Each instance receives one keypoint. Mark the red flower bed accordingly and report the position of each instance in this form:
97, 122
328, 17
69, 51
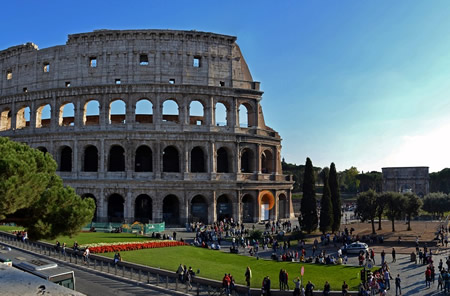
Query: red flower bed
136, 246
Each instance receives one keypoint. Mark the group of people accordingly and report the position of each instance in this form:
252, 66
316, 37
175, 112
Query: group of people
185, 275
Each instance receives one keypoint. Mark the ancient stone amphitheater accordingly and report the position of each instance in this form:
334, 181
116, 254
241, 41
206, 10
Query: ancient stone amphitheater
154, 125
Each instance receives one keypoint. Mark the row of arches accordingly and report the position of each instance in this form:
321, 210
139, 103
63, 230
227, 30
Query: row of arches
198, 208
171, 159
144, 111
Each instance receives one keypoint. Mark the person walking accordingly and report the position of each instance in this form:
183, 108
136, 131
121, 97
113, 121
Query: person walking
344, 289
309, 289
248, 278
398, 288
393, 255
387, 279
267, 286
428, 277
297, 287
326, 289
383, 254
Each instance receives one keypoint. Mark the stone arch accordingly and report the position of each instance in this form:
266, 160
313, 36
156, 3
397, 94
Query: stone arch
91, 113
248, 208
198, 160
170, 111
171, 160
246, 115
43, 116
23, 117
65, 159
5, 119
143, 208
267, 205
67, 114
90, 159
283, 206
199, 209
143, 160
247, 161
116, 160
221, 114
171, 210
223, 160
267, 162
224, 207
196, 113
42, 149
117, 111
144, 111
116, 206
89, 195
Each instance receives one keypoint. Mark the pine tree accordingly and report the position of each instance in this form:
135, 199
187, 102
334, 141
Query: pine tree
309, 219
326, 207
335, 198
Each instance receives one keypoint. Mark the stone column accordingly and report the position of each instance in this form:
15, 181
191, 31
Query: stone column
76, 166
127, 211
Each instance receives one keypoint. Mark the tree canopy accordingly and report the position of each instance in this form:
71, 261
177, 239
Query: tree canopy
366, 207
309, 218
32, 194
335, 197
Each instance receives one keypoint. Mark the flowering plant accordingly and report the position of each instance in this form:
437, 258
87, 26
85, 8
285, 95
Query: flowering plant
131, 246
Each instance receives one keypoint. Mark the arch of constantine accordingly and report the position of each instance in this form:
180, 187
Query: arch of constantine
154, 125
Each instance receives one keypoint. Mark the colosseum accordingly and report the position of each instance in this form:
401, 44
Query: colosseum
154, 125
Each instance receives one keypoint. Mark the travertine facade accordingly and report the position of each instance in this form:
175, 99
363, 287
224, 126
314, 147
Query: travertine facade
148, 165
406, 179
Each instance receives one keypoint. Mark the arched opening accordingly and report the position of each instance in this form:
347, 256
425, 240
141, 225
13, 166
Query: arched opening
222, 161
171, 160
117, 112
282, 207
143, 159
143, 209
246, 115
5, 120
23, 117
90, 163
197, 160
144, 111
267, 162
267, 202
65, 164
247, 163
248, 208
43, 116
42, 149
406, 188
91, 113
199, 209
88, 195
67, 114
196, 113
171, 210
170, 111
221, 115
116, 208
116, 161
224, 208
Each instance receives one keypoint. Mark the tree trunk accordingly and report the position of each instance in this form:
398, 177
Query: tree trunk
393, 227
379, 222
409, 222
373, 226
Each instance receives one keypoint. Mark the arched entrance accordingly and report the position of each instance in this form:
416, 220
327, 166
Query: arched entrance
267, 202
247, 161
115, 208
266, 162
143, 159
282, 207
171, 210
171, 160
224, 208
116, 159
222, 161
143, 208
90, 163
248, 206
89, 195
66, 159
197, 160
199, 209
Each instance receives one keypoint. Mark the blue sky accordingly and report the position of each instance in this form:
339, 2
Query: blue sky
359, 83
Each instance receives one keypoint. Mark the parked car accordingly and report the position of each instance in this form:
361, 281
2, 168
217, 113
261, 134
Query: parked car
355, 248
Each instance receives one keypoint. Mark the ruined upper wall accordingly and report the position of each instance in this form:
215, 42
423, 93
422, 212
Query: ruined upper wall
127, 57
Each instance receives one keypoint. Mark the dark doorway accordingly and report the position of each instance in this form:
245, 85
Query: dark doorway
199, 209
143, 209
171, 160
282, 211
197, 160
66, 159
115, 208
222, 161
246, 161
143, 159
116, 159
171, 210
247, 208
224, 209
90, 159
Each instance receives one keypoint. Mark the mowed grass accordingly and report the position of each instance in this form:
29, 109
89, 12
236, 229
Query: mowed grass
8, 228
84, 238
214, 264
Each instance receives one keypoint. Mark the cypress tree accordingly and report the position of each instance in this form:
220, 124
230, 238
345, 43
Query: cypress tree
335, 198
309, 219
326, 207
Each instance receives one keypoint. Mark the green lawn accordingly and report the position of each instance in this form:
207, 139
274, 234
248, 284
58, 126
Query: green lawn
100, 237
10, 228
213, 264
